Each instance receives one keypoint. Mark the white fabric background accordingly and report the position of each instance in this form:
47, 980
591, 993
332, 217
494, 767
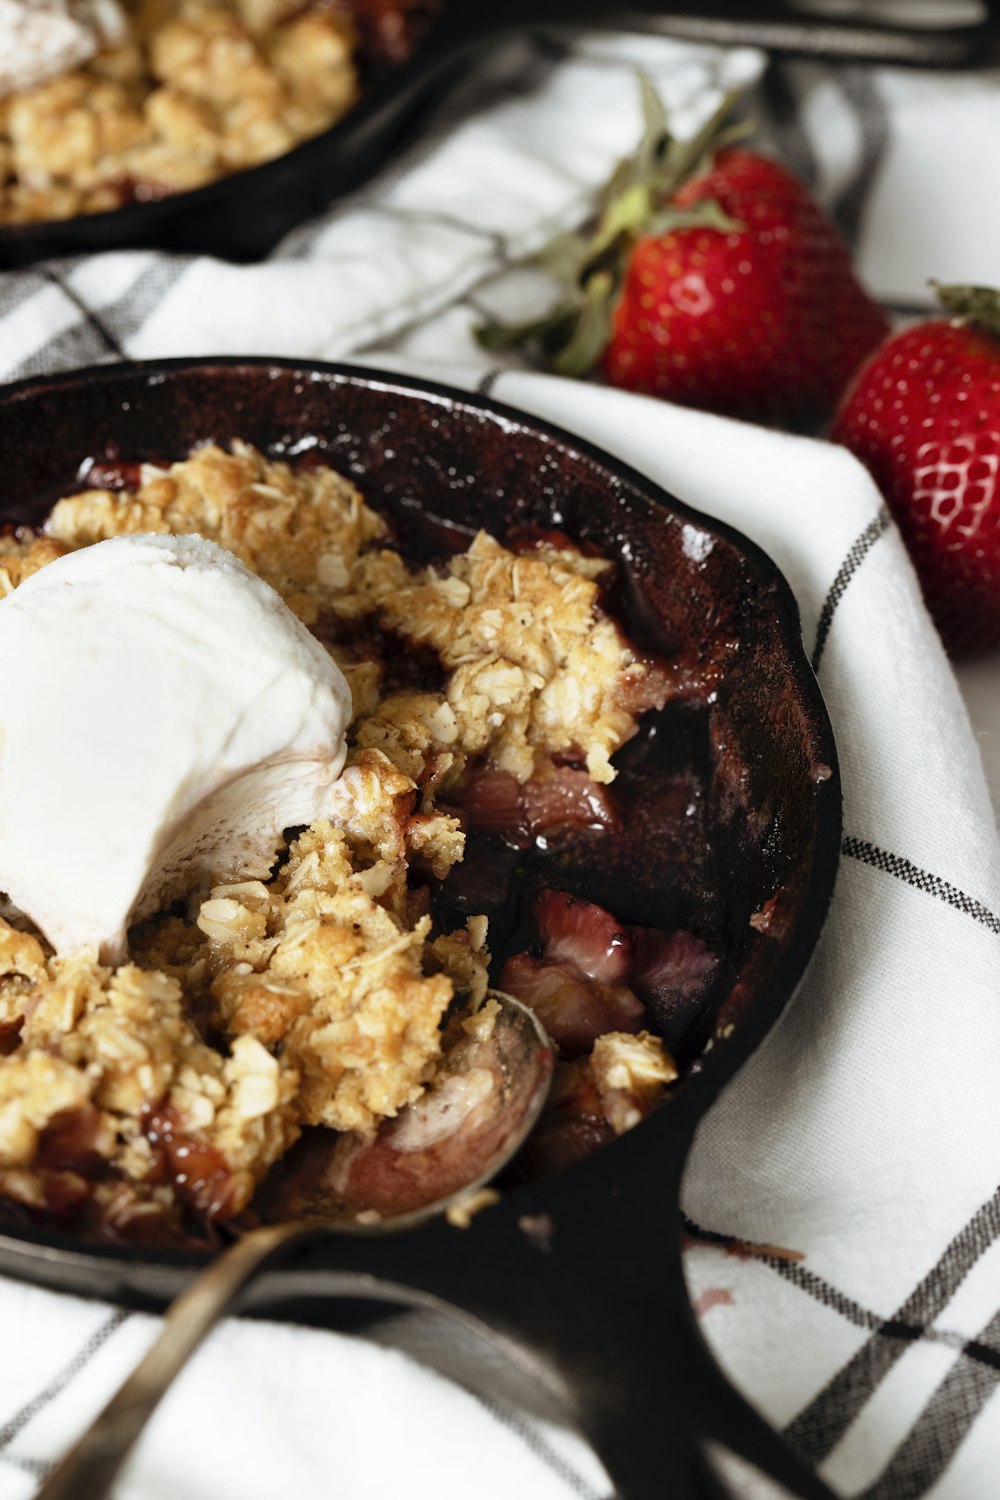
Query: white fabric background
864, 1134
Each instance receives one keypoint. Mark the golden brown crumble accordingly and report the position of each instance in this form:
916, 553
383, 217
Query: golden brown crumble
630, 1073
108, 1047
535, 668
18, 560
322, 965
315, 998
200, 88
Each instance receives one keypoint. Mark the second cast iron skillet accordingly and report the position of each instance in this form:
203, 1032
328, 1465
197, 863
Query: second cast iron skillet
242, 216
578, 1275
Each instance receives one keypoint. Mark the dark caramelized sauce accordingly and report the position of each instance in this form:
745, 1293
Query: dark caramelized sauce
390, 30
408, 665
654, 868
71, 1142
10, 1036
424, 537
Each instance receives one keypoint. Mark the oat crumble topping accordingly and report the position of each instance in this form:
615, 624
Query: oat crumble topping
316, 997
198, 89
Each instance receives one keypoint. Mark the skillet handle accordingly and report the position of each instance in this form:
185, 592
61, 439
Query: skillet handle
768, 24
584, 1271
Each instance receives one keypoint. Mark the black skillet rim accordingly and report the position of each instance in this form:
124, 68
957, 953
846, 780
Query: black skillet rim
699, 1090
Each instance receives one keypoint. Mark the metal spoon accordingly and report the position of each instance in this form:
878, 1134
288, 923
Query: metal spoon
454, 1140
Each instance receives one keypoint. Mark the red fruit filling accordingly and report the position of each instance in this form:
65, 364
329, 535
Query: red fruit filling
76, 1141
519, 813
595, 975
673, 973
110, 474
198, 1173
584, 936
573, 1126
574, 1010
10, 1036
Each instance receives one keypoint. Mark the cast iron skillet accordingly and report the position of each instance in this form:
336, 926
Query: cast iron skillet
580, 1274
242, 216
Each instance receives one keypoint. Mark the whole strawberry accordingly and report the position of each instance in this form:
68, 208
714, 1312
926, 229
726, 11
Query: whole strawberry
767, 321
715, 281
924, 415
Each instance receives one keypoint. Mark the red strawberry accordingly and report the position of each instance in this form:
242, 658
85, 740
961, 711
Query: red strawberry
924, 415
595, 975
767, 321
722, 286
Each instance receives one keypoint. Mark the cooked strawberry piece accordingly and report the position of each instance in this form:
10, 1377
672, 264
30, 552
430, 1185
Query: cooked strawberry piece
496, 802
673, 973
77, 1140
574, 1010
596, 975
584, 936
391, 29
110, 474
652, 688
55, 1197
66, 1195
573, 1125
197, 1171
568, 798
777, 915
659, 681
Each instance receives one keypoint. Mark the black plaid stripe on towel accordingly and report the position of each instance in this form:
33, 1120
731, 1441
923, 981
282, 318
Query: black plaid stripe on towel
842, 1207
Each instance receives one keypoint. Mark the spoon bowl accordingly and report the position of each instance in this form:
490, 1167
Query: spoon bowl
453, 1141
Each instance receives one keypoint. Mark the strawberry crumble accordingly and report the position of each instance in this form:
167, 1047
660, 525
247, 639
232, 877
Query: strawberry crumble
185, 94
492, 690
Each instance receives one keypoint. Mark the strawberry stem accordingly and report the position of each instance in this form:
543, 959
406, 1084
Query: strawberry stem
979, 305
681, 159
635, 202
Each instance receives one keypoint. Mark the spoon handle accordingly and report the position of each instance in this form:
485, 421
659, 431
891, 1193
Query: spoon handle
89, 1469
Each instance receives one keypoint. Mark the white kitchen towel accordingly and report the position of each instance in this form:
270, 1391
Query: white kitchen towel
864, 1319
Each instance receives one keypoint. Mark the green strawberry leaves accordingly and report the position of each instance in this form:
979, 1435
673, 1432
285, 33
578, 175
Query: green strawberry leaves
635, 202
971, 304
570, 339
591, 329
499, 338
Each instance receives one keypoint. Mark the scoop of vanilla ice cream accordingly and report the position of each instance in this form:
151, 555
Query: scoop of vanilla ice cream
163, 718
39, 39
